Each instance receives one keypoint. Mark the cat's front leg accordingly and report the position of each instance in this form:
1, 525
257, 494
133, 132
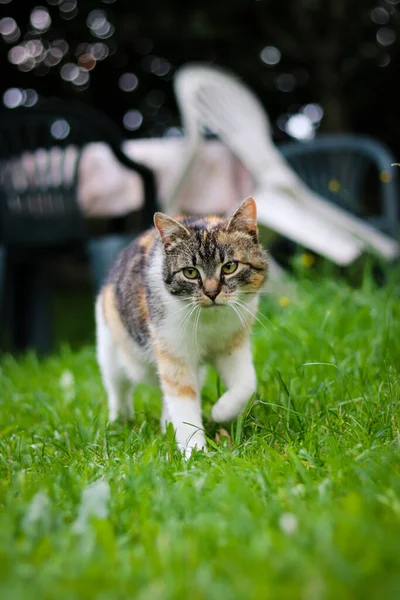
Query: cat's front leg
238, 373
182, 401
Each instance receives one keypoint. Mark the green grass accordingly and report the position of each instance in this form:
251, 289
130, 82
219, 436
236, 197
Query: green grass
301, 501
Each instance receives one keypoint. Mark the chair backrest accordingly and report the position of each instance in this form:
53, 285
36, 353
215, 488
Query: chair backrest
39, 157
216, 99
344, 169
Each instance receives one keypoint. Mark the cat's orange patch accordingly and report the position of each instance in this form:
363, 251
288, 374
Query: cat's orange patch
174, 375
238, 339
112, 318
213, 220
143, 306
164, 355
177, 389
256, 281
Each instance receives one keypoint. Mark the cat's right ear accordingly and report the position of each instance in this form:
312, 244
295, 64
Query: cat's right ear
170, 230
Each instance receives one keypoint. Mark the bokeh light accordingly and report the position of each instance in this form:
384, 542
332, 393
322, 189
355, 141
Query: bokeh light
8, 26
386, 36
132, 120
314, 112
270, 55
61, 44
68, 9
31, 98
300, 127
53, 56
161, 67
40, 18
69, 72
34, 48
286, 82
82, 78
384, 60
156, 65
9, 30
99, 25
17, 55
128, 82
86, 61
99, 51
13, 97
380, 15
60, 129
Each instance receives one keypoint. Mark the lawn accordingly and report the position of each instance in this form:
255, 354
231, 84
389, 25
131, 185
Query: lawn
298, 499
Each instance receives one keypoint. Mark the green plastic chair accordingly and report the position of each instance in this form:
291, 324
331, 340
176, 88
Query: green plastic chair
342, 167
39, 212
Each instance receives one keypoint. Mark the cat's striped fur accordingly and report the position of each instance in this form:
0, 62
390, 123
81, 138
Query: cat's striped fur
185, 292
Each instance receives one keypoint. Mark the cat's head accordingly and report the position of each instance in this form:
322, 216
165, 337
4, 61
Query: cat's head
211, 260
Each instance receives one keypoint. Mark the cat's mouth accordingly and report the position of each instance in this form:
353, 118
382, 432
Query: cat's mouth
207, 303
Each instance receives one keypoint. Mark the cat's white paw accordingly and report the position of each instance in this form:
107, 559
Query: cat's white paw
196, 442
230, 405
189, 450
113, 415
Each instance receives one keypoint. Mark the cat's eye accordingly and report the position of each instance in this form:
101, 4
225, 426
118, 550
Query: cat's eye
229, 267
190, 273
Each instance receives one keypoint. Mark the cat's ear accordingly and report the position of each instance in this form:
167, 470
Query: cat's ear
245, 218
169, 229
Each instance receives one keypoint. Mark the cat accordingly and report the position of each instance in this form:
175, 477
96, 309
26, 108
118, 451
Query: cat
183, 293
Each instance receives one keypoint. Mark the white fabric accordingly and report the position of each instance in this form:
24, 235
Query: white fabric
217, 181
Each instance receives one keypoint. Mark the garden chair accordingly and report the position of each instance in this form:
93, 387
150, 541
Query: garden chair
209, 97
337, 167
40, 151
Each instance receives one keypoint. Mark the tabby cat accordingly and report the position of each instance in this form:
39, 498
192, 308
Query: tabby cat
182, 294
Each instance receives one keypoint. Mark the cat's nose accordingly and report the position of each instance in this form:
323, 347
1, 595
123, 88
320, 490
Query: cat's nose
212, 294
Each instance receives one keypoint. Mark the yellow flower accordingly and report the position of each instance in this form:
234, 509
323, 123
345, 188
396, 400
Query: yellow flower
307, 259
385, 176
334, 185
284, 301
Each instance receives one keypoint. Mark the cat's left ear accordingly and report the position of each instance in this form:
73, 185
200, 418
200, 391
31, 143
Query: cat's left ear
169, 229
245, 218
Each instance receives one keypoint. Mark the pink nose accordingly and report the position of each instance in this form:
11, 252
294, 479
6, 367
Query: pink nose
212, 294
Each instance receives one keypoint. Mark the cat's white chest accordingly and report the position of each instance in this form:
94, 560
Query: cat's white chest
216, 328
206, 333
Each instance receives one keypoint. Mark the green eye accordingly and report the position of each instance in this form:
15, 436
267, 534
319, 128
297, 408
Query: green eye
229, 267
190, 273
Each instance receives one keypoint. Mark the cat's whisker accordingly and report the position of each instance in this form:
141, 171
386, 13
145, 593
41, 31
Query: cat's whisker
186, 307
240, 317
257, 311
247, 325
196, 327
186, 321
247, 309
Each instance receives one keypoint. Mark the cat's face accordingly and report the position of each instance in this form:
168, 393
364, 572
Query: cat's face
213, 261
